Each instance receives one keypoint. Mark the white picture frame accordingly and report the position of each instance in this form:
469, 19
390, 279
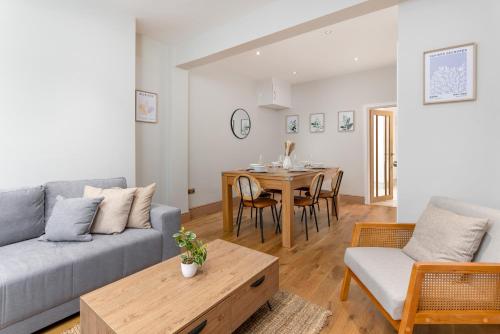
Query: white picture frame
292, 124
346, 121
317, 123
450, 74
146, 107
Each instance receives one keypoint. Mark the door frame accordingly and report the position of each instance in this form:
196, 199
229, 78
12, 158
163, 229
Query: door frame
366, 139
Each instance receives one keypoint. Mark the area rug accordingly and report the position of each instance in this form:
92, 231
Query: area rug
290, 314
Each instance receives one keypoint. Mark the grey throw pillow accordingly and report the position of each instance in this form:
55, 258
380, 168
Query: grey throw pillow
21, 214
443, 236
71, 219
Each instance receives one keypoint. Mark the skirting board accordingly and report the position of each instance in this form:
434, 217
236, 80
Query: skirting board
215, 207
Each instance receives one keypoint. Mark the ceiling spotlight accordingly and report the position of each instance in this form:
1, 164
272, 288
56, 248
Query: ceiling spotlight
257, 53
356, 58
294, 72
328, 32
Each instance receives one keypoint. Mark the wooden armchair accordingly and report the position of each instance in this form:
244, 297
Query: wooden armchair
438, 293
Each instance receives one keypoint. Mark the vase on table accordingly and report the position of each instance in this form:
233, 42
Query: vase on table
287, 162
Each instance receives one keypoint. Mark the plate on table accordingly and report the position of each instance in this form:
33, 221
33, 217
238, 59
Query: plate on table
297, 169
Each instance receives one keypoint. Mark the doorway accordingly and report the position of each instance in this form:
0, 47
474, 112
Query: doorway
383, 162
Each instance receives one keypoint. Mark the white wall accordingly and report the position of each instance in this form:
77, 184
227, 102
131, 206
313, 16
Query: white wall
448, 149
66, 92
212, 147
161, 148
328, 96
153, 75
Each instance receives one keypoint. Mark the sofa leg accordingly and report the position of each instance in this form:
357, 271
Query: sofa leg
344, 290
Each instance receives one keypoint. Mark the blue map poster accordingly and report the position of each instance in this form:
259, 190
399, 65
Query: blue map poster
450, 74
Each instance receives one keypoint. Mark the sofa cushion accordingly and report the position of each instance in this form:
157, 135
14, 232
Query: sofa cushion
71, 189
36, 276
489, 250
21, 214
114, 210
139, 213
71, 219
385, 272
443, 236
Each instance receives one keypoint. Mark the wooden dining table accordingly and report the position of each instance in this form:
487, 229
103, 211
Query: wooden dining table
275, 178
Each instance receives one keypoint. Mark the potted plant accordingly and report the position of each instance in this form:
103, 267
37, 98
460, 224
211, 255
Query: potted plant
195, 255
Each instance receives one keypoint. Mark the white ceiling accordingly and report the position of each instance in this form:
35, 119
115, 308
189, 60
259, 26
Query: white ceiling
173, 21
372, 39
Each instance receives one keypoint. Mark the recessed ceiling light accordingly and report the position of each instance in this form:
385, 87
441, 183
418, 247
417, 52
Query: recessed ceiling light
328, 32
294, 72
257, 53
356, 58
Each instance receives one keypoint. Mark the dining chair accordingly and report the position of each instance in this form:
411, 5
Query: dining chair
310, 201
249, 190
333, 194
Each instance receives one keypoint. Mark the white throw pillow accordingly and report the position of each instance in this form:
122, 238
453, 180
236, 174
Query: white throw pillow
139, 214
443, 236
114, 210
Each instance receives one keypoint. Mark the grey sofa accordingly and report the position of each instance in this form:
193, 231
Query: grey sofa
41, 282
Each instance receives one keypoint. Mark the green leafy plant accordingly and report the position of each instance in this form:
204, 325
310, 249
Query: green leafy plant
196, 251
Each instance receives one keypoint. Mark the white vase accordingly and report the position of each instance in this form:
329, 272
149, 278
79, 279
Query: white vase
189, 270
287, 162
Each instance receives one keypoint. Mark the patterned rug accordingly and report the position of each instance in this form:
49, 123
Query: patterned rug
291, 314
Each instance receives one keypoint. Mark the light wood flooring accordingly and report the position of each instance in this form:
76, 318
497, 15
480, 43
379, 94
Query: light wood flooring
313, 269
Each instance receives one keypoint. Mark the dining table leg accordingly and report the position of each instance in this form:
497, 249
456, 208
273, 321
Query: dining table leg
227, 205
287, 215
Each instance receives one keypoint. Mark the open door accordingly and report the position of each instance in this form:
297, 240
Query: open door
381, 155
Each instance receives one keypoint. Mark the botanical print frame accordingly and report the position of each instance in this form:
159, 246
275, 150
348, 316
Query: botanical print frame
346, 121
450, 74
292, 124
317, 123
146, 106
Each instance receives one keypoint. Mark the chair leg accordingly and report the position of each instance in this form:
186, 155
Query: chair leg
256, 216
315, 218
239, 219
334, 202
302, 218
344, 290
327, 211
261, 227
272, 213
278, 227
305, 216
239, 211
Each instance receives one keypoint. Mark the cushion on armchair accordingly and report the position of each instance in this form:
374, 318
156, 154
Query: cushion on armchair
444, 236
385, 272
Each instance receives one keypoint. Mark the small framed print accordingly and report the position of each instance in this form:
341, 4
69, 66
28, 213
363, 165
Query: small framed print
292, 124
317, 123
450, 74
346, 121
146, 105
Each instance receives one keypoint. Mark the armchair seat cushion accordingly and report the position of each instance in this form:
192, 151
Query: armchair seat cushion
385, 272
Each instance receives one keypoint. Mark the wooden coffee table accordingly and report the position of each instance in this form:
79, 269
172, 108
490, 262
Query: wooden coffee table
233, 283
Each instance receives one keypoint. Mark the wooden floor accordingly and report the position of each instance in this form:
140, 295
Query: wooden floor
314, 269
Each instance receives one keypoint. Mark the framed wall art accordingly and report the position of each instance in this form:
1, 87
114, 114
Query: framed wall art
292, 124
450, 74
346, 121
317, 123
146, 107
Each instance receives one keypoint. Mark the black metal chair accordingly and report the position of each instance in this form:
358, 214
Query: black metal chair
249, 190
333, 194
311, 200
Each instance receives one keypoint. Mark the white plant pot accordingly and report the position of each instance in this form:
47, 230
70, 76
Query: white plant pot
189, 270
287, 162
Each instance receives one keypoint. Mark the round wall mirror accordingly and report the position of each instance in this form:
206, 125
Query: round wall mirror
240, 123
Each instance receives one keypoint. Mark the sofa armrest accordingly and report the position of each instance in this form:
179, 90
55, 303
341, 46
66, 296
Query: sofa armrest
392, 235
167, 220
438, 291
